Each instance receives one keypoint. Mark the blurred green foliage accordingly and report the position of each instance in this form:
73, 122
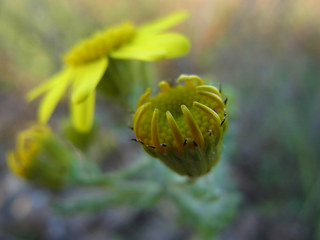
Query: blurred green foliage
271, 67
265, 53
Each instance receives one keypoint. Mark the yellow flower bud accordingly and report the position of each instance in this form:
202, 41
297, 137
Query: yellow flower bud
40, 157
183, 126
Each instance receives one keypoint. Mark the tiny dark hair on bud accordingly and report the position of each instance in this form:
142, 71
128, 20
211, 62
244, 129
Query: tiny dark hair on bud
185, 142
222, 122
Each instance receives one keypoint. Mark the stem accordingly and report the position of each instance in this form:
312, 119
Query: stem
141, 194
81, 177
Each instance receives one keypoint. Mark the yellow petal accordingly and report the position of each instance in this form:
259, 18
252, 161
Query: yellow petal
174, 44
13, 164
87, 77
61, 76
51, 99
151, 48
83, 113
163, 23
139, 53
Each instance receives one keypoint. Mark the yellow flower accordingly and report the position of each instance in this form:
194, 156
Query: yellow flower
87, 62
182, 126
40, 157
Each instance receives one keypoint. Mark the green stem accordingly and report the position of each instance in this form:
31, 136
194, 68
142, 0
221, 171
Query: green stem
141, 194
312, 202
81, 176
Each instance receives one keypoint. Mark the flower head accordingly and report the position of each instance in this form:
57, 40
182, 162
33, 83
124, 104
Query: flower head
183, 126
100, 44
40, 157
87, 62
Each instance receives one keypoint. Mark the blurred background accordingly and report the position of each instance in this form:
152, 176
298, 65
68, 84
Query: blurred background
266, 55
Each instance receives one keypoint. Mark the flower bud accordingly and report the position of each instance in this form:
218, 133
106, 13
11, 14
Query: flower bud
40, 157
183, 126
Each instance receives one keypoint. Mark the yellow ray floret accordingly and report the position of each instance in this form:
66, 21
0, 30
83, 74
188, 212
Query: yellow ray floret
213, 96
209, 88
194, 128
175, 131
164, 86
138, 116
211, 113
154, 129
190, 79
144, 97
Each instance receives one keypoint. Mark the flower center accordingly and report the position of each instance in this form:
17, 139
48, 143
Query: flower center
184, 116
100, 44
